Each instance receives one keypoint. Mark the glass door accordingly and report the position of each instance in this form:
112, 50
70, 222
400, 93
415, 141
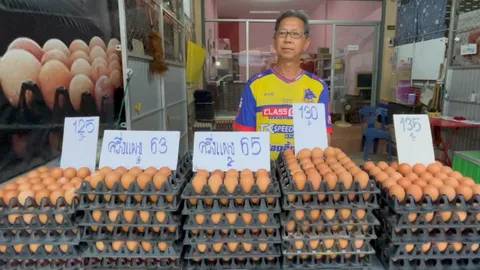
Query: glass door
354, 68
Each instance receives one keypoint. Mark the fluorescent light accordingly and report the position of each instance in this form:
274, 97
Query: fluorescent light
264, 12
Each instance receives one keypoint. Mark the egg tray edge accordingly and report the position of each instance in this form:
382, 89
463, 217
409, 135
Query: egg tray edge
343, 202
133, 234
73, 252
261, 237
288, 248
47, 239
120, 263
130, 203
22, 264
336, 220
272, 250
205, 264
341, 262
120, 221
343, 234
173, 251
36, 224
248, 207
31, 207
271, 222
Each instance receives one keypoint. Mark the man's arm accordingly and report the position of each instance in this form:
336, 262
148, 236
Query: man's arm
325, 99
245, 119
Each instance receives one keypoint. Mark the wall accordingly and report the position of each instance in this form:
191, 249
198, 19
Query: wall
386, 75
211, 34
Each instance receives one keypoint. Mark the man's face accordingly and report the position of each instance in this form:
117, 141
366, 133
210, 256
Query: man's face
290, 40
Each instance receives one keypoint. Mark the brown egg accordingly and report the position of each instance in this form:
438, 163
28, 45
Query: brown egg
362, 178
56, 172
232, 182
131, 245
52, 75
452, 182
127, 179
431, 191
447, 191
317, 152
420, 182
380, 177
150, 170
456, 175
404, 182
398, 192
55, 195
404, 169
389, 171
96, 177
331, 179
231, 217
63, 180
415, 191
355, 170
39, 195
436, 182
287, 152
466, 181
215, 181
263, 181
70, 195
198, 182
382, 165
28, 218
300, 179
346, 179
143, 179
434, 168
330, 152
49, 180
476, 189
23, 195
368, 166
389, 183
111, 178
24, 187
304, 153
247, 217
375, 171
465, 191
419, 168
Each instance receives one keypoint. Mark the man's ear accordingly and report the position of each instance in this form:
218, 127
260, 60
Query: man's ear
307, 44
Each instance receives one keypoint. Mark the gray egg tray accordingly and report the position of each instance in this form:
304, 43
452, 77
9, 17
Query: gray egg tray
328, 233
128, 263
73, 252
202, 208
174, 250
31, 207
133, 234
40, 237
272, 222
336, 220
35, 224
272, 250
27, 264
290, 249
354, 262
329, 202
217, 235
104, 221
234, 264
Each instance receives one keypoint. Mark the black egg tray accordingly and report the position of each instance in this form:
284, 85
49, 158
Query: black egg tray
248, 207
31, 207
425, 204
354, 262
383, 245
128, 263
273, 190
342, 202
272, 250
234, 264
27, 264
130, 203
230, 235
25, 253
369, 218
329, 233
401, 230
174, 250
36, 224
133, 234
272, 222
289, 248
429, 264
39, 237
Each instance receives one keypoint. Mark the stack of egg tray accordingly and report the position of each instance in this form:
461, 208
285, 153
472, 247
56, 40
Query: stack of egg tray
39, 236
327, 228
232, 230
143, 234
428, 234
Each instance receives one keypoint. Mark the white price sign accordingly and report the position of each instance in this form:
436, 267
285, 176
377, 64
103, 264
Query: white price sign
131, 148
80, 140
309, 125
231, 150
414, 139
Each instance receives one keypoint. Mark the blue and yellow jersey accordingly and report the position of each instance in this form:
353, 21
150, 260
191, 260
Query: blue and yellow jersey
266, 105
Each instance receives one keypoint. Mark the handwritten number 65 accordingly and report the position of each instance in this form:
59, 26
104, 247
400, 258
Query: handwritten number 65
254, 146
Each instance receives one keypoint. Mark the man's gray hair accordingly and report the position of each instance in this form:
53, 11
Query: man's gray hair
299, 14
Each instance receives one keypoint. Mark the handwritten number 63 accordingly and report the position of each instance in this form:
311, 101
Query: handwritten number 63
158, 145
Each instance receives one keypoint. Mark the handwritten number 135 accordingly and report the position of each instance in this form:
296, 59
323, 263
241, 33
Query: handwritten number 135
410, 124
158, 145
309, 112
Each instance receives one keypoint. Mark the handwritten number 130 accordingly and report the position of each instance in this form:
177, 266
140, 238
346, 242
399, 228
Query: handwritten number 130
309, 113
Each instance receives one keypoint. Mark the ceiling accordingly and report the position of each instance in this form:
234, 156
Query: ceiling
240, 8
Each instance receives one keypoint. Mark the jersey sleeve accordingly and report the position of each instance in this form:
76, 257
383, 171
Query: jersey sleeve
325, 99
245, 119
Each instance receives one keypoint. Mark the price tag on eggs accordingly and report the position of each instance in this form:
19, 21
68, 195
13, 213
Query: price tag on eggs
231, 150
309, 125
131, 148
414, 139
80, 140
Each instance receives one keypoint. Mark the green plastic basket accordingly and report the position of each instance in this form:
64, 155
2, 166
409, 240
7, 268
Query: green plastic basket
468, 163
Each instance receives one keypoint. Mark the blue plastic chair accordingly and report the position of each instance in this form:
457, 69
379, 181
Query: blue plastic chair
371, 133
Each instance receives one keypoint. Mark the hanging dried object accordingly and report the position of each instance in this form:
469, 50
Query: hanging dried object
155, 49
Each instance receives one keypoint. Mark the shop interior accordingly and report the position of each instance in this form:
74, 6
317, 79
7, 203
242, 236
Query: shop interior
118, 147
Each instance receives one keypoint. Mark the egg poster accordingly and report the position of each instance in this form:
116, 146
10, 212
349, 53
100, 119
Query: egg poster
59, 58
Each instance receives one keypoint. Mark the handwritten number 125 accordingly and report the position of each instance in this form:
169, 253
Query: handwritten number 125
81, 124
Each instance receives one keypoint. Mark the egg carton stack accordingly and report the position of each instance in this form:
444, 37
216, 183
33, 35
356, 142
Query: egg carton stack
37, 229
132, 219
232, 220
328, 205
430, 217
